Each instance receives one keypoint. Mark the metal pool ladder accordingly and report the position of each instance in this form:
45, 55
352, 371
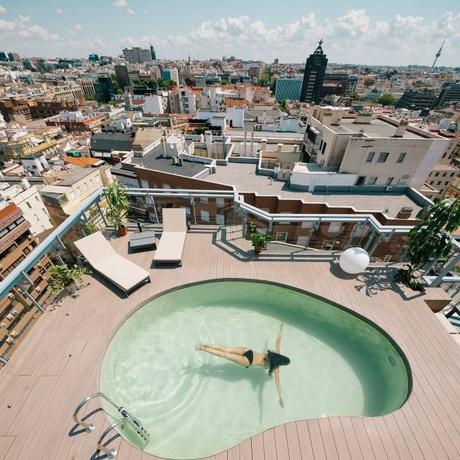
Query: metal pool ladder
125, 419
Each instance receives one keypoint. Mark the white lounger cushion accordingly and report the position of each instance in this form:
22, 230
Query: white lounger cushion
170, 248
172, 239
104, 259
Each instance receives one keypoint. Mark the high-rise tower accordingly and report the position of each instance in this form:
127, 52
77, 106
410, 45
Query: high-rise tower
153, 54
313, 76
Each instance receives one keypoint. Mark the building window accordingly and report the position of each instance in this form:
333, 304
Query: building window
401, 157
281, 236
204, 216
371, 180
323, 148
220, 219
335, 228
370, 157
389, 181
29, 205
383, 157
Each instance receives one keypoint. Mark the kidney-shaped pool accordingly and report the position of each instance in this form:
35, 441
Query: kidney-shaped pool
195, 405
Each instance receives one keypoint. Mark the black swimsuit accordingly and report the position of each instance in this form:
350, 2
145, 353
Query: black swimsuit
249, 355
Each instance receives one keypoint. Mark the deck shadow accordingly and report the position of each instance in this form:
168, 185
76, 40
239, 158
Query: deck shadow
98, 455
75, 430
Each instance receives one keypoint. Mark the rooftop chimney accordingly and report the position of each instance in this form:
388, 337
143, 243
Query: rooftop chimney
401, 129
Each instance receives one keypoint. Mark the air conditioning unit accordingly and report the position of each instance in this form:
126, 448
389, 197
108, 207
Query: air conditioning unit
14, 313
389, 188
10, 295
4, 325
9, 317
9, 340
14, 334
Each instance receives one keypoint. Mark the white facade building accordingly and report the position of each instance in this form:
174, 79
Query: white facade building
380, 151
28, 199
154, 104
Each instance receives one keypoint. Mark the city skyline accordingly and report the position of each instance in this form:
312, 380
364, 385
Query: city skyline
371, 35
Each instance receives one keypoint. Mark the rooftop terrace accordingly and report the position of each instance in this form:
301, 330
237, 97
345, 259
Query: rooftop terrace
376, 128
58, 365
58, 362
244, 178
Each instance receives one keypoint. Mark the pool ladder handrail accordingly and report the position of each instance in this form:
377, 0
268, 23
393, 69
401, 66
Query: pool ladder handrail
126, 417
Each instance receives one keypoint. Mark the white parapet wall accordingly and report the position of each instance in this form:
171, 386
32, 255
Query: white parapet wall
308, 176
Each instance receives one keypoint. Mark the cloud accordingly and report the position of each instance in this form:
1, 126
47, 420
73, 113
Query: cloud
353, 37
59, 11
2, 9
78, 27
130, 11
120, 3
23, 28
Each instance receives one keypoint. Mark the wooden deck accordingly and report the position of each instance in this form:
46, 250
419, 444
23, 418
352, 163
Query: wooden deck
58, 363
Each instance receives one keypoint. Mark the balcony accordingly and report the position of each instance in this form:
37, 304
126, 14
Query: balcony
57, 364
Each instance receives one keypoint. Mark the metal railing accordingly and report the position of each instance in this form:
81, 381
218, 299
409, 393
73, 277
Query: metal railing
222, 208
125, 419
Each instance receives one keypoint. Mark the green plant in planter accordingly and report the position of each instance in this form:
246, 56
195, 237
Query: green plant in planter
62, 276
409, 276
251, 228
430, 239
117, 204
259, 241
90, 228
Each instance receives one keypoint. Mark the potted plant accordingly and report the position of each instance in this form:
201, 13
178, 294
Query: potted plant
65, 277
251, 228
117, 206
89, 228
430, 240
259, 241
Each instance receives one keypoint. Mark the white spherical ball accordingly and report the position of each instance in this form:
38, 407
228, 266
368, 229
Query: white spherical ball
354, 260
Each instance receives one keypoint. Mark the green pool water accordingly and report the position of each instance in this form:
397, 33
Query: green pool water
195, 405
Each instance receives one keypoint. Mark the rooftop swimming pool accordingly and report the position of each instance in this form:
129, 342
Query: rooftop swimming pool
195, 405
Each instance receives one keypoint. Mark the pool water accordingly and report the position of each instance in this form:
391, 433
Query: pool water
195, 405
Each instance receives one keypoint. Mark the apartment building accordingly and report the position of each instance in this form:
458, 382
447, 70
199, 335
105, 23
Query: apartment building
70, 186
183, 100
27, 197
378, 150
20, 308
444, 174
19, 146
137, 55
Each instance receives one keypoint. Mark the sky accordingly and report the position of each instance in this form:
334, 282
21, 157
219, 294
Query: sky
388, 32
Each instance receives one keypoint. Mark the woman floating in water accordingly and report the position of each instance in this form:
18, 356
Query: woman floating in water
246, 357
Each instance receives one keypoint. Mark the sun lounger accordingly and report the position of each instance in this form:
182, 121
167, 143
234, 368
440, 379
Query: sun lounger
104, 259
172, 239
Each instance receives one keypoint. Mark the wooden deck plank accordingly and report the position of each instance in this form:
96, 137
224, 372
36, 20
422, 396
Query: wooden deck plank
257, 446
5, 444
269, 444
292, 437
319, 451
13, 399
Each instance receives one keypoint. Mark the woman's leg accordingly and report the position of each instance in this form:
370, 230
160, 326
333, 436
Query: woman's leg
238, 359
234, 350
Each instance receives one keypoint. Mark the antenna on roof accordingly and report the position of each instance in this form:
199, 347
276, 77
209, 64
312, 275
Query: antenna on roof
438, 54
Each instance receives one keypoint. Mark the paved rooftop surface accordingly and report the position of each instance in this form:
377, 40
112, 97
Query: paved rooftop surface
377, 128
154, 160
58, 365
244, 178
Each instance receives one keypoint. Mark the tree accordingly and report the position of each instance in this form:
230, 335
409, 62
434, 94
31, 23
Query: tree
431, 239
283, 105
386, 99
